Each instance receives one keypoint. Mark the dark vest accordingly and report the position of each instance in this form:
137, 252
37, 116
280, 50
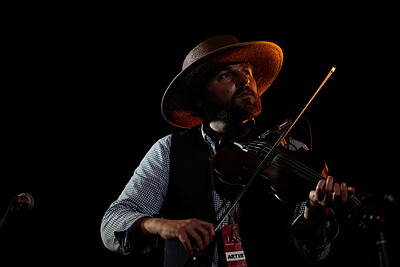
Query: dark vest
189, 192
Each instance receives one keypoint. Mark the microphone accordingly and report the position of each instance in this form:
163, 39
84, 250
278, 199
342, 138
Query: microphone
23, 201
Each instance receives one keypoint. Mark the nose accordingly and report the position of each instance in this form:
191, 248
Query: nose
242, 79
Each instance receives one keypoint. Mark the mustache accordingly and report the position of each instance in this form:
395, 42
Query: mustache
242, 90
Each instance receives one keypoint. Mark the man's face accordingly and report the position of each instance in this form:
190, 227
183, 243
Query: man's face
231, 94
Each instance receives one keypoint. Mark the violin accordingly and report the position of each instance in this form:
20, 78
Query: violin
291, 174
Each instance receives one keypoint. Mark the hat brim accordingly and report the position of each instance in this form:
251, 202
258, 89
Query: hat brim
265, 57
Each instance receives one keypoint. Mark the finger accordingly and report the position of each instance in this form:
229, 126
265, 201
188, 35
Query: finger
344, 191
209, 232
329, 186
203, 236
351, 190
320, 190
197, 241
337, 193
198, 235
186, 243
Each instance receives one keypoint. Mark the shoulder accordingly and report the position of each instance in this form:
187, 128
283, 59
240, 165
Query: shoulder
164, 141
160, 147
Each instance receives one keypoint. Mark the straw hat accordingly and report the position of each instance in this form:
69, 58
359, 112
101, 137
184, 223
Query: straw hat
178, 100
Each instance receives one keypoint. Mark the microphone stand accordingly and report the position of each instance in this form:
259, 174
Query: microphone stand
383, 256
10, 211
373, 216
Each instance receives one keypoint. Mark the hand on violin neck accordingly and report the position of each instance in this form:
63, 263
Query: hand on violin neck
329, 195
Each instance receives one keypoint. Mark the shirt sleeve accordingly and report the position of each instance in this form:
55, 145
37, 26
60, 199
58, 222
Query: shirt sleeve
318, 250
142, 196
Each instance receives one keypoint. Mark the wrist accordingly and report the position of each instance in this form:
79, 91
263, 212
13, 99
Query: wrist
315, 212
144, 225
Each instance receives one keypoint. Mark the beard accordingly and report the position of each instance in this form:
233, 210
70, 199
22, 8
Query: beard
240, 109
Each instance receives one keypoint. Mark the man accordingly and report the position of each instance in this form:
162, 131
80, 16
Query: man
175, 199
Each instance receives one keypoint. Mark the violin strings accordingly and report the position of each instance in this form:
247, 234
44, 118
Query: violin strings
292, 162
311, 174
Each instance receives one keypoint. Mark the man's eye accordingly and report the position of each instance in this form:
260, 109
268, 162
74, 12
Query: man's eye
247, 71
226, 75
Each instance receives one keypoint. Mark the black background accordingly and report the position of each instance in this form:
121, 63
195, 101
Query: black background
80, 106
